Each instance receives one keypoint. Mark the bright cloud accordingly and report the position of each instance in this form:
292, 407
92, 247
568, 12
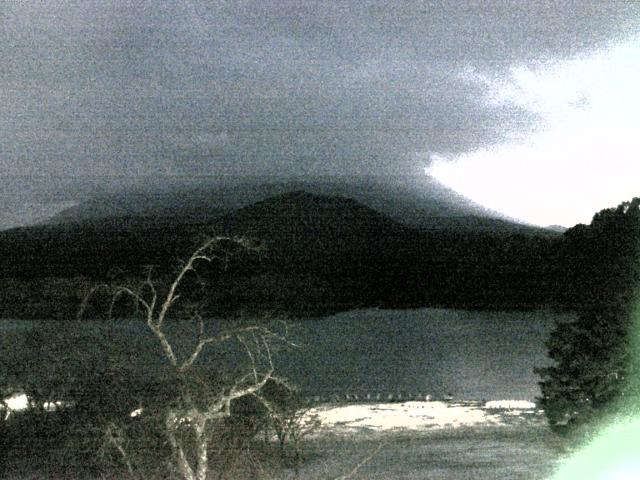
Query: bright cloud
584, 154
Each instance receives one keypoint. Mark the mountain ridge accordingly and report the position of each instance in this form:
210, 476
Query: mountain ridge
321, 253
422, 203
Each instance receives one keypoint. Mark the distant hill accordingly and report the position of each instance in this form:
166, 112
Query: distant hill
419, 202
300, 217
296, 227
556, 228
322, 252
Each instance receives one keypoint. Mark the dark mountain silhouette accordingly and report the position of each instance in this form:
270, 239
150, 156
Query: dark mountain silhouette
302, 219
321, 253
420, 202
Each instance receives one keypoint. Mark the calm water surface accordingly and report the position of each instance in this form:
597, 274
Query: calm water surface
466, 355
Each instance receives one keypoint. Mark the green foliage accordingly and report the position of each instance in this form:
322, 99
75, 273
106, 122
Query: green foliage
589, 371
592, 367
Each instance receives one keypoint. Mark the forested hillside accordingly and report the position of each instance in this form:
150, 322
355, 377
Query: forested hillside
317, 254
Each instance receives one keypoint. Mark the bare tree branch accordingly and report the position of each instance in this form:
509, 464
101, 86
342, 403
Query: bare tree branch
188, 412
171, 424
361, 464
250, 355
85, 301
164, 343
199, 254
225, 337
114, 437
237, 392
119, 291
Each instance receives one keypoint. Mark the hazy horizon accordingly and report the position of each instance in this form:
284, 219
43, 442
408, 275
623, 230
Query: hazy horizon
500, 101
30, 200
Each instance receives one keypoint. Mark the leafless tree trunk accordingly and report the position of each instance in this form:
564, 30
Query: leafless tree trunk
199, 420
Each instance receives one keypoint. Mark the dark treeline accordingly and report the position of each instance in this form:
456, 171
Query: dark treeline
317, 254
596, 356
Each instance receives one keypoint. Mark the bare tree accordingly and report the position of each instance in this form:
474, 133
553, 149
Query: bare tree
290, 418
188, 420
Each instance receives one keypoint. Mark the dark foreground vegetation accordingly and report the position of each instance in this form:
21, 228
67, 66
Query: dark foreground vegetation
474, 453
201, 413
152, 402
596, 375
481, 453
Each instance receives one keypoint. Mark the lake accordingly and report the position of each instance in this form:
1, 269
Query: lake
463, 354
439, 352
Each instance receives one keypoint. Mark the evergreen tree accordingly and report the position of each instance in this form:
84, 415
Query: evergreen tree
593, 366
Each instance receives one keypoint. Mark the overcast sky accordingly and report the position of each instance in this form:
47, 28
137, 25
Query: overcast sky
496, 99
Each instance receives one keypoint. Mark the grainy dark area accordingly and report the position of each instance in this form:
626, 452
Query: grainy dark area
225, 222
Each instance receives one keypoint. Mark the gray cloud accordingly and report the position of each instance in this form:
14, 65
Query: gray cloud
288, 87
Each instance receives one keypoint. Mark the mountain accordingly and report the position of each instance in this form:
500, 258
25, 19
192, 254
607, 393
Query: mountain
421, 202
300, 216
556, 228
296, 227
322, 252
325, 234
